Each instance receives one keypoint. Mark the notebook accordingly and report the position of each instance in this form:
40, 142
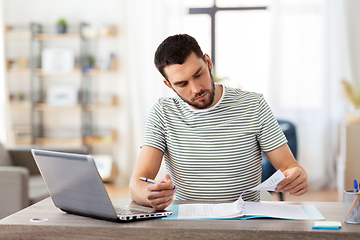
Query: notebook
246, 210
76, 187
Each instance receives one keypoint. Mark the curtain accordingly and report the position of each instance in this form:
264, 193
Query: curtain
309, 58
147, 24
3, 97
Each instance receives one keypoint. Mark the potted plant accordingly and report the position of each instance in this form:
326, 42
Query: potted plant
352, 93
91, 61
61, 25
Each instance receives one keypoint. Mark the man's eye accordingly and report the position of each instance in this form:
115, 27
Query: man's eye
183, 84
197, 75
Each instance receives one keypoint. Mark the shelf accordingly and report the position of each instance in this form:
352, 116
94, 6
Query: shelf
108, 36
93, 72
40, 72
18, 71
101, 140
20, 105
99, 106
64, 36
23, 141
59, 141
56, 36
47, 107
23, 36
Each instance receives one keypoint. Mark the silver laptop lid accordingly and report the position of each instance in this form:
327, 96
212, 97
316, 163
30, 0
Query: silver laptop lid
74, 183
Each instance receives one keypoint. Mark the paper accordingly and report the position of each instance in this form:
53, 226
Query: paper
228, 210
261, 209
224, 210
270, 183
241, 209
250, 210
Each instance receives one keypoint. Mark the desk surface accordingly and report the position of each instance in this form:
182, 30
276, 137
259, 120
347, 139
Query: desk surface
66, 226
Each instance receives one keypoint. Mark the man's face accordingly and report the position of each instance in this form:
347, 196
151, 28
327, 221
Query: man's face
192, 81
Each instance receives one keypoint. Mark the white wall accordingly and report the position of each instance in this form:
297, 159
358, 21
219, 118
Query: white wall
49, 11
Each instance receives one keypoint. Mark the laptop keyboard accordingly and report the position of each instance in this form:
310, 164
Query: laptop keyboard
128, 211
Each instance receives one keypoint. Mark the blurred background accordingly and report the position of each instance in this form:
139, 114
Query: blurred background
79, 75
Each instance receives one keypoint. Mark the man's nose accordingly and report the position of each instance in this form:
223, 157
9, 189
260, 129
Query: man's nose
195, 87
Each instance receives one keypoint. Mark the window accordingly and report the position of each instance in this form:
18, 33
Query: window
240, 53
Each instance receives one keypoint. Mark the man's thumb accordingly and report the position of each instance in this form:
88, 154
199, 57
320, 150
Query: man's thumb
167, 178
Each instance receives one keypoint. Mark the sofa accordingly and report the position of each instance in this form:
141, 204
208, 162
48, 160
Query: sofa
21, 184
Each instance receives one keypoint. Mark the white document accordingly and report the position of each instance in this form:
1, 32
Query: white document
223, 210
240, 208
270, 183
274, 210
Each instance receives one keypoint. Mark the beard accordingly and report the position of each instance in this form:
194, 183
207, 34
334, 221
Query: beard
207, 102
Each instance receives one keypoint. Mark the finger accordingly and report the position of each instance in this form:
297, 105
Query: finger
167, 178
296, 188
160, 194
290, 185
289, 178
295, 183
160, 186
158, 201
301, 191
283, 185
160, 190
162, 203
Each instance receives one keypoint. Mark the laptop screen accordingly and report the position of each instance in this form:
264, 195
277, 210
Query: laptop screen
74, 183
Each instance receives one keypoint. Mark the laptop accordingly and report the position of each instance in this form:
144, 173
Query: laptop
76, 187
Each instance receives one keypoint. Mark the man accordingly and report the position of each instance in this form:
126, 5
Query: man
211, 136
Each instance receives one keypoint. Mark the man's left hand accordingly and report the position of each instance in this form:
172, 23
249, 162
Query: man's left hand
295, 182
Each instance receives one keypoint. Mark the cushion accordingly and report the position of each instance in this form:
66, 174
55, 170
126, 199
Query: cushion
4, 157
37, 189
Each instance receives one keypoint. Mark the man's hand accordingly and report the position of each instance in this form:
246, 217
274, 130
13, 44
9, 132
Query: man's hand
295, 182
160, 195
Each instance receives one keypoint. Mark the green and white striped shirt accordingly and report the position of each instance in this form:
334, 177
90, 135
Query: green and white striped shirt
214, 153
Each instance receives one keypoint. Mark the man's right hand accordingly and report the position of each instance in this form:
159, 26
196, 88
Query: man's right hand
161, 195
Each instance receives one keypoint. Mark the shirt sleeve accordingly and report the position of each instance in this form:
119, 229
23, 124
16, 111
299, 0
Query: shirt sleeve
154, 134
270, 136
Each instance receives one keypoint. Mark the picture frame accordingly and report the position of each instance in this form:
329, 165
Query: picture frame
62, 95
57, 59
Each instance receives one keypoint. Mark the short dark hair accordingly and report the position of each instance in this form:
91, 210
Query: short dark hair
175, 50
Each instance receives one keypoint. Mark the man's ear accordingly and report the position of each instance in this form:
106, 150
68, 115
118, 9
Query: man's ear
167, 83
208, 61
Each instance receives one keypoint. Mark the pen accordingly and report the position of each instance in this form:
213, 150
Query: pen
356, 187
150, 180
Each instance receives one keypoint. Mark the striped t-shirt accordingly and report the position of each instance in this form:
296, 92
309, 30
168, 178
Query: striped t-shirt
214, 153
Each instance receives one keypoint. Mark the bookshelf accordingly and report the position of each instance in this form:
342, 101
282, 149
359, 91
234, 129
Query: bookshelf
49, 124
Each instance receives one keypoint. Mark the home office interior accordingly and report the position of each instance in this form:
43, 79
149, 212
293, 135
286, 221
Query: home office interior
78, 76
